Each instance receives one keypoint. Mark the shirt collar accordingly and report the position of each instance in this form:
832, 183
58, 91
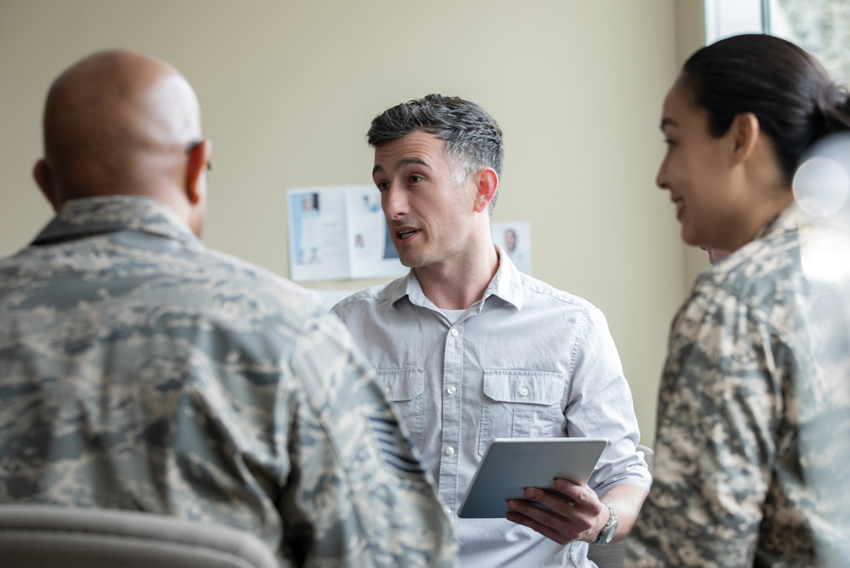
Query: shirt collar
506, 284
81, 218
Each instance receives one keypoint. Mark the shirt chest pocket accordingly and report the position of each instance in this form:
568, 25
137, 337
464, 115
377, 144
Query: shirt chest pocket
519, 404
404, 388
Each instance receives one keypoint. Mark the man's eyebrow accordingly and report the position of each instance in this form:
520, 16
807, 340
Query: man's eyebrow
668, 122
409, 161
403, 163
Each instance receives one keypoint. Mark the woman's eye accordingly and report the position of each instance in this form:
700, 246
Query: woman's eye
415, 179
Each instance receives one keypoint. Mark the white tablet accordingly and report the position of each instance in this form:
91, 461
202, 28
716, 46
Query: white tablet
510, 465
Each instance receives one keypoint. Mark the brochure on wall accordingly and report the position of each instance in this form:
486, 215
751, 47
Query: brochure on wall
514, 237
339, 232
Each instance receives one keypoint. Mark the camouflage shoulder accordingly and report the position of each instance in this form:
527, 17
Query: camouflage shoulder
751, 273
394, 500
303, 304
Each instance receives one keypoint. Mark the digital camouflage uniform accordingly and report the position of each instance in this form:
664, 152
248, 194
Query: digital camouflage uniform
140, 371
753, 443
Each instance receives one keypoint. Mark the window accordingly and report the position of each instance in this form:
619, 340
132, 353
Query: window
724, 18
821, 27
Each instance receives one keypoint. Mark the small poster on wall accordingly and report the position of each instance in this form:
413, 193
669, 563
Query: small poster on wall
514, 238
339, 232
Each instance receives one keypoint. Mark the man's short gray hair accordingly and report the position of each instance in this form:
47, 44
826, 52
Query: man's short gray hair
473, 139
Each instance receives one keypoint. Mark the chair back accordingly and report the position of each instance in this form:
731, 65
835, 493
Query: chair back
42, 536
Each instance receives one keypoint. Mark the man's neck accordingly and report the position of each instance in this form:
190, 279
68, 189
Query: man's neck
458, 284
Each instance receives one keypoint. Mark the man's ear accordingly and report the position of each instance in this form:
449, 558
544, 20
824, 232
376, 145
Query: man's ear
43, 174
745, 132
486, 185
199, 156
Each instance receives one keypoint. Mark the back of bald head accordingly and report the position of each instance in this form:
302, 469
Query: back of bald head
117, 123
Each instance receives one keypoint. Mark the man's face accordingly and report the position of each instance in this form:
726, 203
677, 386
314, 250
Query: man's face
510, 242
430, 219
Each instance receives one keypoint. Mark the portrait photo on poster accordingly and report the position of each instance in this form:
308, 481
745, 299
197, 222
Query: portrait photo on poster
514, 238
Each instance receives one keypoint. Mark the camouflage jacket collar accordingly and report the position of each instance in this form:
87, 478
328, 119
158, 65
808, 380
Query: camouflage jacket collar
784, 221
81, 218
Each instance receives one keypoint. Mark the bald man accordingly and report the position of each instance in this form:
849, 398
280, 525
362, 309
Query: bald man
141, 371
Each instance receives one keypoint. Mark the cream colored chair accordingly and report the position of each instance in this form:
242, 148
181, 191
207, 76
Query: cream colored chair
40, 536
612, 555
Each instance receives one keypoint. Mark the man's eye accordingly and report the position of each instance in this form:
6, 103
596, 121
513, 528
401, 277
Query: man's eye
415, 178
382, 186
669, 142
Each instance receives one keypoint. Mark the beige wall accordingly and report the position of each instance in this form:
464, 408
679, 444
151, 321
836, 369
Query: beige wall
288, 90
690, 36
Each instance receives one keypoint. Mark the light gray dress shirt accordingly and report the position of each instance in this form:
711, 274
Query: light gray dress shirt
526, 360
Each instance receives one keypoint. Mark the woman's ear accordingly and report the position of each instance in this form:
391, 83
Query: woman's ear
745, 132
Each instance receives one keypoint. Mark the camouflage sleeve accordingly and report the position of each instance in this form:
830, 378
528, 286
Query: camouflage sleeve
356, 494
717, 414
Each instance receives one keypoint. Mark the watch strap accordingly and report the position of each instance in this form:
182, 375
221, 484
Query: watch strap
607, 532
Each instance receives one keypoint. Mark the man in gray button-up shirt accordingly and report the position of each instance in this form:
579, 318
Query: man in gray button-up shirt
470, 349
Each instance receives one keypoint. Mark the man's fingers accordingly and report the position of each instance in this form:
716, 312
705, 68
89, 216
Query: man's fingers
570, 526
556, 503
568, 516
539, 527
578, 493
582, 495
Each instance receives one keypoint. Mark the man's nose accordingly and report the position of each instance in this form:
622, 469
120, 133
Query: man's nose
394, 202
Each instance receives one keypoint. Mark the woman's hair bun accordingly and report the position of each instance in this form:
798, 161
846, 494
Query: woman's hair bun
787, 89
834, 105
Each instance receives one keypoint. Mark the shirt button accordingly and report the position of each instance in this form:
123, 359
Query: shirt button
447, 510
523, 391
386, 390
450, 451
454, 332
451, 390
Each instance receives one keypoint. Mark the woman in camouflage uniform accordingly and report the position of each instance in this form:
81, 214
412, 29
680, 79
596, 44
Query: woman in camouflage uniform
754, 401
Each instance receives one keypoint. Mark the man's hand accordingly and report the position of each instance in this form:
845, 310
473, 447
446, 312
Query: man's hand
579, 516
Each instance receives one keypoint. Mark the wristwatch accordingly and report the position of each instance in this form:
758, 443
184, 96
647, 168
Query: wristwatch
610, 528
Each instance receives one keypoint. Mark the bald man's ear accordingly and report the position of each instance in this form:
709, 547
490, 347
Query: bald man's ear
43, 174
199, 157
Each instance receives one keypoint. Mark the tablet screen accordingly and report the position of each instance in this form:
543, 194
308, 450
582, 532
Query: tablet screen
510, 465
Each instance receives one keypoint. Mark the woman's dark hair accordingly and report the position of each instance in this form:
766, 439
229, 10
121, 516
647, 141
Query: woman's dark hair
790, 93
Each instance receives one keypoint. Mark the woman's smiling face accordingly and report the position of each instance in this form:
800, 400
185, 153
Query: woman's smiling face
697, 171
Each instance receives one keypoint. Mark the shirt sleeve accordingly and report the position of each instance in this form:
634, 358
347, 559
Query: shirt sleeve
600, 405
718, 408
356, 494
